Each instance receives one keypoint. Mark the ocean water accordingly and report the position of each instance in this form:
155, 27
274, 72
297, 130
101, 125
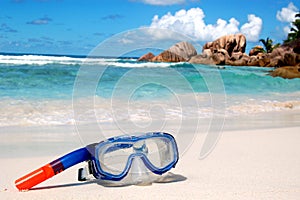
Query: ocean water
60, 90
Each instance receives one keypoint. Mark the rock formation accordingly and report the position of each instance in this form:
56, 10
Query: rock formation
183, 49
147, 57
230, 50
223, 51
287, 54
231, 43
286, 72
180, 52
256, 50
168, 56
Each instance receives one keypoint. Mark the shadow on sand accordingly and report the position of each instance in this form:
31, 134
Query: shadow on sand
166, 178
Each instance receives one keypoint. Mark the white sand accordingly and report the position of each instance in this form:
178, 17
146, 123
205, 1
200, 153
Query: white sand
246, 164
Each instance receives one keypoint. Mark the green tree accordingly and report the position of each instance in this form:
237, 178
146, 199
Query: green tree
268, 44
295, 30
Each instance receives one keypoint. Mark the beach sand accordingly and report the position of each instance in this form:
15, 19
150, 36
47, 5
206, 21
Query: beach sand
251, 160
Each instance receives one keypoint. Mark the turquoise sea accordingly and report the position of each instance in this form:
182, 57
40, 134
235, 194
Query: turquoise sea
41, 89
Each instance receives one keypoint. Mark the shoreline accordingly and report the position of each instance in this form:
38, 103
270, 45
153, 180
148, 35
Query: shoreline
272, 119
31, 113
256, 157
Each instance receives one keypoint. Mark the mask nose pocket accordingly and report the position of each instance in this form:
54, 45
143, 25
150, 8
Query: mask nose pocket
139, 173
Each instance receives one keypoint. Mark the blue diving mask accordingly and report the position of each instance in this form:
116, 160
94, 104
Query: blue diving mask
113, 159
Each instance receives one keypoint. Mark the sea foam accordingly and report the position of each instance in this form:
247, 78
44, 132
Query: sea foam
61, 112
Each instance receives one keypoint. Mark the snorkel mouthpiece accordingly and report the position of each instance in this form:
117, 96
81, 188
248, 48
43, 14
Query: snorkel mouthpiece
37, 176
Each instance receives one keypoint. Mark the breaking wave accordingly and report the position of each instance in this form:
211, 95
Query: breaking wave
42, 60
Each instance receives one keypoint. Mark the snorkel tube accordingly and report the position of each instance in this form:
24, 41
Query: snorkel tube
55, 167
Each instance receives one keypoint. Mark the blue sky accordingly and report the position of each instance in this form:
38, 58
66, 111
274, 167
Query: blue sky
77, 26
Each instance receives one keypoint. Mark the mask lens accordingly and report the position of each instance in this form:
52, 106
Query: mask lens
114, 157
160, 151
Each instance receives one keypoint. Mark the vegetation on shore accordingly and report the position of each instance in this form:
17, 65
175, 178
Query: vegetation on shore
268, 45
295, 30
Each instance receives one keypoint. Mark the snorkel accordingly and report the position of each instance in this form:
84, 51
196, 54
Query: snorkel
113, 160
53, 168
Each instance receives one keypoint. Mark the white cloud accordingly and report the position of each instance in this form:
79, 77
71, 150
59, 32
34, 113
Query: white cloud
126, 41
287, 14
252, 29
191, 22
162, 2
286, 30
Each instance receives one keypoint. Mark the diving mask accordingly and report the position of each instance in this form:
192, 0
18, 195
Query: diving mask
113, 158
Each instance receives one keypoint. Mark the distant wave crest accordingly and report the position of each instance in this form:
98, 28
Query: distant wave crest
46, 60
41, 60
